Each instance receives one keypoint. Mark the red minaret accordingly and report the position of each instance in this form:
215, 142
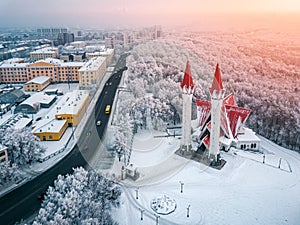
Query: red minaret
217, 82
187, 86
187, 81
217, 96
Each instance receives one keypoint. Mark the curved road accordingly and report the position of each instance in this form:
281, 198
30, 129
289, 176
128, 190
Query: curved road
23, 201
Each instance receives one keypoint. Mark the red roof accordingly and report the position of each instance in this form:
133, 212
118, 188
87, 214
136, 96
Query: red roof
217, 82
237, 117
187, 78
229, 100
203, 108
206, 141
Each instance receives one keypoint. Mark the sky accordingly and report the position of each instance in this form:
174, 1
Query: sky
131, 12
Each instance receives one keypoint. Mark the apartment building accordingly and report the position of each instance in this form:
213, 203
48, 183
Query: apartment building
92, 72
43, 53
37, 83
57, 70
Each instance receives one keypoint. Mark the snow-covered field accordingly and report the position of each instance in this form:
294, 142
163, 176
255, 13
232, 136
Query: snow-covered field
245, 191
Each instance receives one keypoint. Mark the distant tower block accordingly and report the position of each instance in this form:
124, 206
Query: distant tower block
187, 86
217, 96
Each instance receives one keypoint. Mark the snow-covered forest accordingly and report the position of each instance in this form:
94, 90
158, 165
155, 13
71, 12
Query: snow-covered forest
83, 197
263, 75
23, 149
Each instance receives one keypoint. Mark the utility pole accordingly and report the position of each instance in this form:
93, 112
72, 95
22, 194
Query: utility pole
181, 186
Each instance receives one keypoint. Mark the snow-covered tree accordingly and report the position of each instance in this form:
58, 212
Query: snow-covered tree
23, 146
9, 173
84, 197
261, 72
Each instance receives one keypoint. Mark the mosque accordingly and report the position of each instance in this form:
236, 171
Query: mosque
220, 122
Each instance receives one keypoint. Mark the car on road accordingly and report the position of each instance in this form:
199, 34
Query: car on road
98, 123
107, 109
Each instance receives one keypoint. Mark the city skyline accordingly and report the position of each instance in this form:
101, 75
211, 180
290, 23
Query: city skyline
17, 13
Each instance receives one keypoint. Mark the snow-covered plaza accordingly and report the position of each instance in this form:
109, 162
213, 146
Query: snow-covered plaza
244, 191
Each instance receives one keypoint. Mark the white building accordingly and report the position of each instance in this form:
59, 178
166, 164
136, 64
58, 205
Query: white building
221, 122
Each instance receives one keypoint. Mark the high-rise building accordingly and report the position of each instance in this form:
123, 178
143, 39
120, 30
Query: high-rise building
50, 33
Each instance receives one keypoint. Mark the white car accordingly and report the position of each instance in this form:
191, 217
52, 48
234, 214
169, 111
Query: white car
98, 123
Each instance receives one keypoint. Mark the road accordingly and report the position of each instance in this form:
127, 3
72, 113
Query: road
23, 201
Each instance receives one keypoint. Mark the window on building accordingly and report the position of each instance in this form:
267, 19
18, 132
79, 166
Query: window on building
50, 137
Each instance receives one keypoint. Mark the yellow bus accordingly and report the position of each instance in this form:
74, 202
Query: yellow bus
107, 109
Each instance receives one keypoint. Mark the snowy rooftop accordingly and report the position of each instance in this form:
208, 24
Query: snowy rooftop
51, 61
53, 90
14, 60
93, 64
22, 122
71, 64
39, 80
52, 126
71, 102
45, 50
13, 65
247, 135
108, 51
38, 98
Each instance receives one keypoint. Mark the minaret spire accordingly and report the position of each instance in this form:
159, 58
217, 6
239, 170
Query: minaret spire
217, 96
187, 86
217, 82
187, 81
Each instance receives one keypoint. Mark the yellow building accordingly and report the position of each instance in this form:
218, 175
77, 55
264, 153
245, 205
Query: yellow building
51, 131
13, 73
37, 84
44, 53
68, 71
72, 106
92, 72
57, 70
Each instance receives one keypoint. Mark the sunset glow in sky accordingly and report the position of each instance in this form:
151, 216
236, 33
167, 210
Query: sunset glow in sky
130, 12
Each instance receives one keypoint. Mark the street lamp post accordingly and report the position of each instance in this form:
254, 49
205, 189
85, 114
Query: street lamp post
156, 217
279, 163
137, 193
181, 186
142, 213
188, 211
